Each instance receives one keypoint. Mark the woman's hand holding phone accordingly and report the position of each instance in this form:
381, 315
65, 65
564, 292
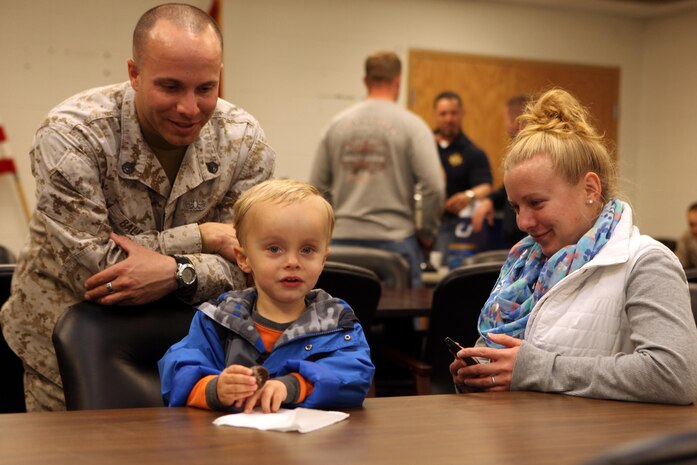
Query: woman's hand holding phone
494, 373
454, 348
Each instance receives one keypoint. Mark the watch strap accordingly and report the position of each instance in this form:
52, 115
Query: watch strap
181, 260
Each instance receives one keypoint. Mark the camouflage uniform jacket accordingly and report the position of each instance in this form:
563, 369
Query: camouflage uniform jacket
95, 174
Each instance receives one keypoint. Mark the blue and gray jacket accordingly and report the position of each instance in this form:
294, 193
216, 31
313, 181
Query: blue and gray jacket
326, 346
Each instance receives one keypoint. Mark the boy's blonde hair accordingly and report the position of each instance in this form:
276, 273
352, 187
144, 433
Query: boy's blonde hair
278, 191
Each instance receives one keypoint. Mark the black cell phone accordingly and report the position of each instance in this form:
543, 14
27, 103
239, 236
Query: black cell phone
454, 348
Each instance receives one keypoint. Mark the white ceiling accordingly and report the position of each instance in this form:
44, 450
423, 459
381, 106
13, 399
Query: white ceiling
627, 8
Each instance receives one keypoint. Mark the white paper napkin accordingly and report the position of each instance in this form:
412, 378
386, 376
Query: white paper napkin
303, 420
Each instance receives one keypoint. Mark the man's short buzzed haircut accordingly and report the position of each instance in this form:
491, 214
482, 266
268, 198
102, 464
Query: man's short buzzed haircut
692, 207
184, 16
447, 95
382, 67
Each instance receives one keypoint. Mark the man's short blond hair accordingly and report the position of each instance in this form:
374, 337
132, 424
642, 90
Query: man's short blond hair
382, 67
281, 192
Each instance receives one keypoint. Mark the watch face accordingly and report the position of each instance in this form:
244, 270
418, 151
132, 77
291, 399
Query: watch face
188, 275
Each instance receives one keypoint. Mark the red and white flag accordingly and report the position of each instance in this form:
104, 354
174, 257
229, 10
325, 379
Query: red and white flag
7, 166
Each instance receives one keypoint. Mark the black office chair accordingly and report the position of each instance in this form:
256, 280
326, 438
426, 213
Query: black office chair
6, 256
668, 242
457, 301
392, 268
693, 298
12, 387
107, 355
488, 256
691, 275
358, 286
671, 449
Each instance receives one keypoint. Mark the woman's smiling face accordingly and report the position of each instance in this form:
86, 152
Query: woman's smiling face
548, 208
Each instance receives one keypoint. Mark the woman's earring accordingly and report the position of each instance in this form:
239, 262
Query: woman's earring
589, 202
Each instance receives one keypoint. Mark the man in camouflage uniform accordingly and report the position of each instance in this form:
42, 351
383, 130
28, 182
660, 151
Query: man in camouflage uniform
135, 183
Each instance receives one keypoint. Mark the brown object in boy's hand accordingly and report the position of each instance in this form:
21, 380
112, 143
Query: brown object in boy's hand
261, 374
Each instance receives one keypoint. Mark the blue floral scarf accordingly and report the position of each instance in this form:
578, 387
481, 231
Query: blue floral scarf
527, 275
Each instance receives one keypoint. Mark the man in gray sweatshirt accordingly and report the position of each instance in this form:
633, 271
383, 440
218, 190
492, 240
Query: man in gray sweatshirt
369, 162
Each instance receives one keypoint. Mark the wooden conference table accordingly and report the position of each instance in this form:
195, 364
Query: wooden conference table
399, 303
486, 428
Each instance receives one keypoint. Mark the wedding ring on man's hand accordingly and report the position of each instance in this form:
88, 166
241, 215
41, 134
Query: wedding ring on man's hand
109, 287
493, 380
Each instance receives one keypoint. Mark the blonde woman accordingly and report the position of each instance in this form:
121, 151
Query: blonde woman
584, 305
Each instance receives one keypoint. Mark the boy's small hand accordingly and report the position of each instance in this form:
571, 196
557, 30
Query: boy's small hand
235, 384
270, 397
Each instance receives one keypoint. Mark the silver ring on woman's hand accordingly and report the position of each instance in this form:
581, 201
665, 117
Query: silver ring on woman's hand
493, 380
109, 287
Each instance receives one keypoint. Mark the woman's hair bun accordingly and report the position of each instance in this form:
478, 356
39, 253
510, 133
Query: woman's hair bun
558, 112
558, 126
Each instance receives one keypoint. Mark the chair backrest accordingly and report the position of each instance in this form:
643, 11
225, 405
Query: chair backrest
6, 256
107, 355
693, 298
12, 386
668, 242
358, 286
457, 301
392, 269
6, 273
670, 449
691, 275
488, 256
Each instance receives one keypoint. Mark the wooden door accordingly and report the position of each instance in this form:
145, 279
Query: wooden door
486, 83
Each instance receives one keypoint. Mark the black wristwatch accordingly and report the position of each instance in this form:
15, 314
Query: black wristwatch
185, 275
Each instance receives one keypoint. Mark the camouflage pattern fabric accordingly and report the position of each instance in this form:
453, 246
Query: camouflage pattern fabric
95, 174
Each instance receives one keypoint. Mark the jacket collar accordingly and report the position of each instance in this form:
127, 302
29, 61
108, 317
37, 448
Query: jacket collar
233, 310
616, 250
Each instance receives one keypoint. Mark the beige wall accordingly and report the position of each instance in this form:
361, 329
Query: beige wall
294, 64
666, 156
